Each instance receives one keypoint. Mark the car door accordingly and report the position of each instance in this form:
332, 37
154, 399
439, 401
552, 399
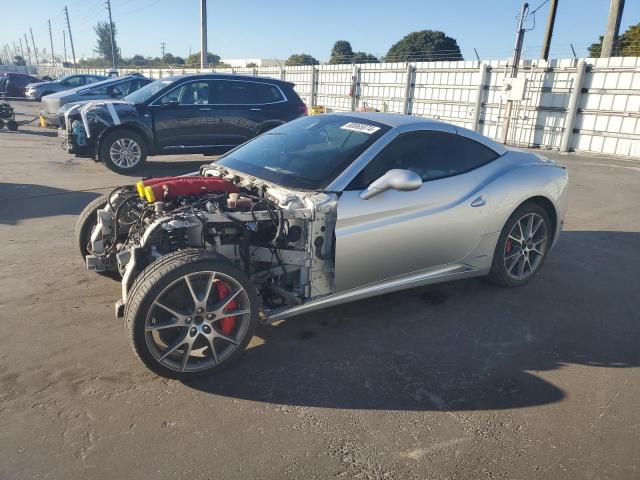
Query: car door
237, 111
183, 117
396, 233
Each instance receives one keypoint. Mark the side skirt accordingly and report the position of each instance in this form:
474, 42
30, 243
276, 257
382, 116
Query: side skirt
414, 279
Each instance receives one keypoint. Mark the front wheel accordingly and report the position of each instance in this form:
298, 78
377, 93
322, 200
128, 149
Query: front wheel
122, 151
522, 246
190, 314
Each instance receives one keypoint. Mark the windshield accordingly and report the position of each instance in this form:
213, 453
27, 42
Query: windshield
307, 153
148, 91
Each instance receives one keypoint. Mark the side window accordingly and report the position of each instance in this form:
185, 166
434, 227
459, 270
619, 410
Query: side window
96, 91
75, 81
192, 93
268, 93
432, 155
228, 92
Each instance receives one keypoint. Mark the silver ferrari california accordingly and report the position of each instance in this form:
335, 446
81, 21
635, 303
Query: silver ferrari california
320, 211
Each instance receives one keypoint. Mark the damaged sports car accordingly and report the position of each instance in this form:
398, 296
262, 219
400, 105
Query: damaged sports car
321, 211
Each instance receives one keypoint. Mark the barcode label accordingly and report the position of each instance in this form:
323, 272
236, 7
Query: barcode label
360, 127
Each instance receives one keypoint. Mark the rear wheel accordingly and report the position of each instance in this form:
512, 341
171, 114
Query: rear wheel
122, 151
12, 125
190, 314
522, 246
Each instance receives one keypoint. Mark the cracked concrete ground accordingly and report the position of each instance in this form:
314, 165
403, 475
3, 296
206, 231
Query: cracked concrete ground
461, 380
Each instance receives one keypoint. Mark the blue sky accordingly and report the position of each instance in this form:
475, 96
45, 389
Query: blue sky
278, 28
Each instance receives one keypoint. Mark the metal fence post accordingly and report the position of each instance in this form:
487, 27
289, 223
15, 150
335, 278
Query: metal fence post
314, 86
475, 124
408, 85
572, 109
283, 74
355, 82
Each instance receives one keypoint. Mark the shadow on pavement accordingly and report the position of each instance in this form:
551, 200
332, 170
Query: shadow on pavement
464, 345
22, 131
22, 201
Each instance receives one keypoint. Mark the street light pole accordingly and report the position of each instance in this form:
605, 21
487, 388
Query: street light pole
203, 34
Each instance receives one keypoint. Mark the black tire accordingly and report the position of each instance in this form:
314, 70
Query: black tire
84, 225
1, 124
158, 276
499, 274
110, 139
12, 125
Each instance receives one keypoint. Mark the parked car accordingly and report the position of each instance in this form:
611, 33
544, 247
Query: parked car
320, 211
180, 114
13, 84
117, 88
35, 91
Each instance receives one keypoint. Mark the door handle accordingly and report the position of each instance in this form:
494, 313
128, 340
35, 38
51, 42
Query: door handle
256, 109
205, 109
480, 201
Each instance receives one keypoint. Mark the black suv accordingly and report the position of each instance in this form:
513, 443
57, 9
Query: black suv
180, 114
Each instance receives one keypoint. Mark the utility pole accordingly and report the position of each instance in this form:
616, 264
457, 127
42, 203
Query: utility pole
203, 34
551, 20
613, 28
64, 45
28, 49
113, 41
514, 69
162, 45
23, 55
35, 50
73, 52
53, 59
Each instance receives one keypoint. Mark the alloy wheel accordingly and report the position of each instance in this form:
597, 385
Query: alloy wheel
125, 153
525, 246
197, 321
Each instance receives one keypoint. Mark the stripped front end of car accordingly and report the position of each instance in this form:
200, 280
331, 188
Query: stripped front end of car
82, 124
282, 239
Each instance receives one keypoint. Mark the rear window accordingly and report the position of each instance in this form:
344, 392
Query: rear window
231, 92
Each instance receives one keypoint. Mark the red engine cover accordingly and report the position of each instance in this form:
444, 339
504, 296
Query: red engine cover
175, 186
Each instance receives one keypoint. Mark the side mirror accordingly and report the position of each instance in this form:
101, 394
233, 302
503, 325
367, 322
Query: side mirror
396, 179
115, 92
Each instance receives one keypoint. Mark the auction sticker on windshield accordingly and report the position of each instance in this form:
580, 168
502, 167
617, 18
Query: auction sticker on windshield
360, 127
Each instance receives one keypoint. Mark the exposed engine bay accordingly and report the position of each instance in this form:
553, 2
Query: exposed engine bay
282, 239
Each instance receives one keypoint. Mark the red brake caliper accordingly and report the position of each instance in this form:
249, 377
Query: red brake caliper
226, 324
508, 246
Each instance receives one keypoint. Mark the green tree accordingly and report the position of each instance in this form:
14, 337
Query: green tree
425, 45
341, 52
19, 61
170, 59
103, 47
628, 44
194, 60
363, 57
251, 65
138, 61
301, 59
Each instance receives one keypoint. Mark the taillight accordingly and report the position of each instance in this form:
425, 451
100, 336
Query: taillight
302, 108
